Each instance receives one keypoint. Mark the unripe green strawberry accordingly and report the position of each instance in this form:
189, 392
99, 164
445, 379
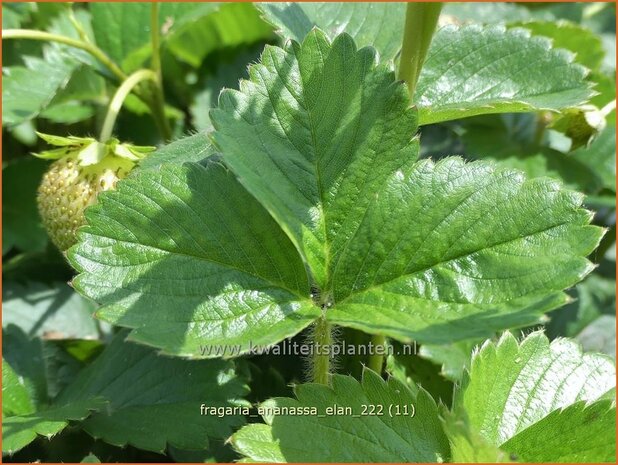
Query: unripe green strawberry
83, 168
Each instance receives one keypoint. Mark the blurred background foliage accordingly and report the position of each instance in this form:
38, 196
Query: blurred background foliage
59, 90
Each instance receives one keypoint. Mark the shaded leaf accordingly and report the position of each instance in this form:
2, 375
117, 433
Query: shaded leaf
22, 226
143, 388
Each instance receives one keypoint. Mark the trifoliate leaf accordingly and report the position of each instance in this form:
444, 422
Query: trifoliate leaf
390, 433
476, 70
522, 397
323, 139
143, 388
186, 257
377, 24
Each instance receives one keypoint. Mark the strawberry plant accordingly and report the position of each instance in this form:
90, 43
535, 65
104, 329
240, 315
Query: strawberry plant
309, 232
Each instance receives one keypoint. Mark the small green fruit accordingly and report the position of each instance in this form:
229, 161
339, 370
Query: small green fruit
83, 168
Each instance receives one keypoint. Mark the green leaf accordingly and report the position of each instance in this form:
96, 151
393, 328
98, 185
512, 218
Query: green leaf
587, 434
91, 458
570, 36
509, 141
600, 157
27, 90
25, 357
22, 226
446, 233
490, 12
478, 70
54, 311
195, 148
187, 288
233, 24
454, 358
19, 431
227, 75
349, 436
189, 30
144, 388
318, 119
592, 298
517, 396
26, 413
377, 24
600, 336
16, 398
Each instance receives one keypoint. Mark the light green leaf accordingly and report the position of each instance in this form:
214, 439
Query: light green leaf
19, 431
189, 30
233, 24
27, 90
54, 311
195, 148
454, 358
570, 36
16, 398
189, 260
586, 434
522, 397
490, 12
143, 388
468, 446
600, 157
256, 441
90, 458
377, 24
476, 70
351, 436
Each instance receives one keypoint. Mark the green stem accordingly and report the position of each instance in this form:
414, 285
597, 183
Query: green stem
158, 96
119, 97
322, 338
86, 46
376, 361
421, 21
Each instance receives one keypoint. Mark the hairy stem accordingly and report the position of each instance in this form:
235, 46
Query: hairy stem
322, 342
118, 99
376, 360
158, 96
86, 46
421, 21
